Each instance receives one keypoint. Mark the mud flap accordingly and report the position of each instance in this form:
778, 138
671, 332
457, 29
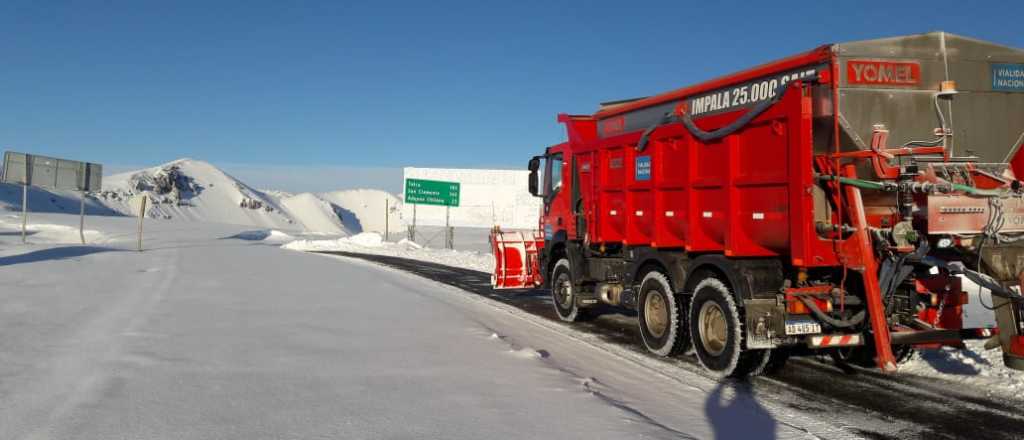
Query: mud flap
764, 323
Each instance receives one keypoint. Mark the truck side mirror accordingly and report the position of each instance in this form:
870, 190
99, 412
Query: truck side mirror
534, 184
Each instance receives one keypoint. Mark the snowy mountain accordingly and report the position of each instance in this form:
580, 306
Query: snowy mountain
365, 210
194, 190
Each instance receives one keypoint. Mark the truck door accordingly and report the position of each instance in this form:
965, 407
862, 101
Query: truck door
557, 212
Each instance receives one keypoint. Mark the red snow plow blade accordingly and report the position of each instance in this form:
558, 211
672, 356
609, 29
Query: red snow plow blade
516, 259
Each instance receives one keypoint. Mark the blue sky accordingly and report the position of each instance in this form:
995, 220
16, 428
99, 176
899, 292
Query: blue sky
343, 88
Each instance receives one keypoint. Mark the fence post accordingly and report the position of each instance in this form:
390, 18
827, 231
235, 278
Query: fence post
24, 213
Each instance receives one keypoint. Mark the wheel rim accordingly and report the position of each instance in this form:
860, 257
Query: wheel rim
655, 314
563, 294
713, 328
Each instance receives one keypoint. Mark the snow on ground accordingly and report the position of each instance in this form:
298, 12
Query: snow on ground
46, 233
207, 336
373, 243
974, 366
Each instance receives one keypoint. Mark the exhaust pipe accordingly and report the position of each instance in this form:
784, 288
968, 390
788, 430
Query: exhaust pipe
610, 293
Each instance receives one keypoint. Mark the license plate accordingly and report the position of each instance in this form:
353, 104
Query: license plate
802, 327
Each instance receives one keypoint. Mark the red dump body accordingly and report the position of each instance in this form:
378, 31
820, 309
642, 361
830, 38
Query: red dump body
742, 195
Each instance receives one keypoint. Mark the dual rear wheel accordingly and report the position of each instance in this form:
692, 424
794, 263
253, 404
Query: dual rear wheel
709, 322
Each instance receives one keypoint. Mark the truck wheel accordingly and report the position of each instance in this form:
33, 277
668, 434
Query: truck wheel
660, 316
717, 333
563, 293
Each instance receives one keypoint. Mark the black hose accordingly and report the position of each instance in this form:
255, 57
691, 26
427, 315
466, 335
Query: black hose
731, 128
822, 316
646, 136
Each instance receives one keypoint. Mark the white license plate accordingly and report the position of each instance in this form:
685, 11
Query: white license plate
802, 328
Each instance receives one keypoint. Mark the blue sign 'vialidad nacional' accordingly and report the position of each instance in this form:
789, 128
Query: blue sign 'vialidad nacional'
1008, 77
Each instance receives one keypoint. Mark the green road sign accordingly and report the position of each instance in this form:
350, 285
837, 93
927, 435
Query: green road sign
431, 192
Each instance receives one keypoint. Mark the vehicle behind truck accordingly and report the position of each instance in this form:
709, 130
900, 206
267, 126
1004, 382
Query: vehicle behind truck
837, 200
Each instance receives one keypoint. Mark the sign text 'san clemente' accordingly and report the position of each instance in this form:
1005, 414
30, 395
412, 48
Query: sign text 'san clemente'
431, 192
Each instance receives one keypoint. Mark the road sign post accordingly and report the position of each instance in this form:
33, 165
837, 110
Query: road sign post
24, 214
437, 193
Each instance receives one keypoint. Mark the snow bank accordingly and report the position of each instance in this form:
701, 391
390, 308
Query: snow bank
975, 366
48, 233
269, 235
486, 198
373, 243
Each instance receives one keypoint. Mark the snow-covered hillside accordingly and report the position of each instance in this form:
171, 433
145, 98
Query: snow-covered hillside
195, 190
366, 208
188, 189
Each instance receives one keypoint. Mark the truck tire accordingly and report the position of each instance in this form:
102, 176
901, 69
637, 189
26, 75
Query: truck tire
717, 333
563, 293
660, 315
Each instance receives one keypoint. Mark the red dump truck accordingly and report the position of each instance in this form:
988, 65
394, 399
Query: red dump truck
840, 199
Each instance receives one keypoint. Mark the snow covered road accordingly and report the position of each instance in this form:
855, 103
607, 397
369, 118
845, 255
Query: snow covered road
203, 336
217, 332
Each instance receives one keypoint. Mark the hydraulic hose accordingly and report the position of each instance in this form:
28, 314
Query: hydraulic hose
859, 183
977, 191
837, 323
957, 268
882, 186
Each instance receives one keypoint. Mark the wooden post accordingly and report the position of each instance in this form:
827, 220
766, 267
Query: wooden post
142, 214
